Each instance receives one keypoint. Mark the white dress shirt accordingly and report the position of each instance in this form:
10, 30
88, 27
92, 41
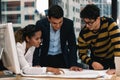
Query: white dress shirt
25, 60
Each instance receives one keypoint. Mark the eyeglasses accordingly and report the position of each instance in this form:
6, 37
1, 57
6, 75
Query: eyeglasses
90, 23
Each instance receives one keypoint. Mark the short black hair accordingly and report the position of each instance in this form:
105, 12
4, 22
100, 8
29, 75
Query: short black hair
90, 11
55, 11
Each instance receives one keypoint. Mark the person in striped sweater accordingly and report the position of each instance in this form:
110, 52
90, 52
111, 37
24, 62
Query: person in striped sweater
100, 38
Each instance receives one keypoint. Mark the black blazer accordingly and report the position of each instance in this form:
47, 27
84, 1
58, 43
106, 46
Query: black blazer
67, 38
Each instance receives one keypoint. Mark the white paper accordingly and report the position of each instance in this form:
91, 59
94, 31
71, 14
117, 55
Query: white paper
77, 74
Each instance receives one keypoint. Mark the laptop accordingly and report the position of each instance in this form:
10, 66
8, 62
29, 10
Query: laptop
1, 51
8, 51
117, 65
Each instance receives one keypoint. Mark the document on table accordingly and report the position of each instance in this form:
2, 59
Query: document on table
77, 74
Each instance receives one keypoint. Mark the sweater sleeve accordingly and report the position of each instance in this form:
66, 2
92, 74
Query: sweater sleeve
114, 32
83, 51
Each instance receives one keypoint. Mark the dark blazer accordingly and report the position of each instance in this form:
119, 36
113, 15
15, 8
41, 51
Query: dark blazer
67, 38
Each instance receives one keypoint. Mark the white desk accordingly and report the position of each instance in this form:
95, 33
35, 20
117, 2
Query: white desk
19, 77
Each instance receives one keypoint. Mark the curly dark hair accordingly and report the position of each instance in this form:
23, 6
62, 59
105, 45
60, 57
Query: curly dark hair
29, 30
90, 11
55, 11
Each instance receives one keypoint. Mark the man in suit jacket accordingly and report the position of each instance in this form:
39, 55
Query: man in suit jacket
58, 48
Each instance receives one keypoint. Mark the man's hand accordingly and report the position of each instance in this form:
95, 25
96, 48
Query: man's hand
111, 71
97, 66
75, 68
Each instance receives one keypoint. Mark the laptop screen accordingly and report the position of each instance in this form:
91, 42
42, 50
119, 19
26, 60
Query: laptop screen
117, 65
9, 55
1, 51
1, 40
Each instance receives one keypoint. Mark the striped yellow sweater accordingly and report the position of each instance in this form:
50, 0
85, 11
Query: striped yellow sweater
104, 44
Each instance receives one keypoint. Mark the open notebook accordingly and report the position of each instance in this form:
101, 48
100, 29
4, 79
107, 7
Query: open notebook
74, 74
10, 59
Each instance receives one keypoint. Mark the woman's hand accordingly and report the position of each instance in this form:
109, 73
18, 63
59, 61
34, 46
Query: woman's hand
37, 66
55, 70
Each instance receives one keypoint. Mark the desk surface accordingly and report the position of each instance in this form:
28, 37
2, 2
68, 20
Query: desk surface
19, 77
